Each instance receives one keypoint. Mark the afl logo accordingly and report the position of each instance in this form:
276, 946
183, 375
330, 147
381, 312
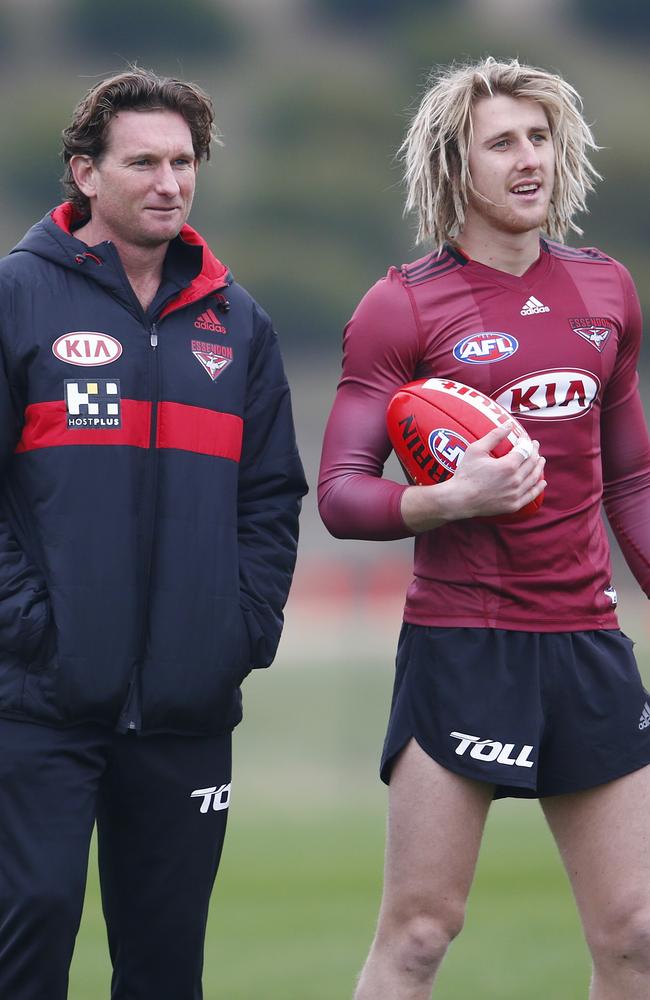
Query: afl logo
447, 447
483, 348
86, 348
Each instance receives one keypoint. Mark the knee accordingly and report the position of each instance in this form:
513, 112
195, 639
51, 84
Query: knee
422, 941
623, 941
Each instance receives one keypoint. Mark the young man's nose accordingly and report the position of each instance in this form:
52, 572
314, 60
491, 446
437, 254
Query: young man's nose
528, 156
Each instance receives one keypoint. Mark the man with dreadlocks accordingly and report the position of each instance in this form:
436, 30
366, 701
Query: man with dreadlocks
513, 678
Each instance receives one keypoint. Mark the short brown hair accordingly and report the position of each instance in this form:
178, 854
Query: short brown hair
134, 90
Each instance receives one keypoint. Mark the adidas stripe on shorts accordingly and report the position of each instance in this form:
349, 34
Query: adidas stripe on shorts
534, 713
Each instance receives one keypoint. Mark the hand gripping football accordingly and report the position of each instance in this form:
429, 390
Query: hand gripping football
432, 421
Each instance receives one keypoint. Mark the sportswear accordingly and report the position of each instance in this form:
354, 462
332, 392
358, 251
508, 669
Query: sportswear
534, 713
558, 347
151, 487
158, 845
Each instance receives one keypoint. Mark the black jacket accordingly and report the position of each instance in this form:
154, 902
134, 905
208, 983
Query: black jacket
150, 487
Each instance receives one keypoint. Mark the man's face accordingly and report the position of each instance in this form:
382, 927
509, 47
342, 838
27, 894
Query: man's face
143, 184
512, 163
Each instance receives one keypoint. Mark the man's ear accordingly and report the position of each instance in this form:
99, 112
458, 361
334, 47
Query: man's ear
83, 171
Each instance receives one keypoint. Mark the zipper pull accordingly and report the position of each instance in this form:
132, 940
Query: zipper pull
153, 337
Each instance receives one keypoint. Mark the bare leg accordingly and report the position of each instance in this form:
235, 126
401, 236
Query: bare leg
604, 838
435, 824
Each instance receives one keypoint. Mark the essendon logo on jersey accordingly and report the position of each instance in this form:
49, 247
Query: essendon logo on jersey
447, 447
213, 358
556, 394
596, 330
483, 348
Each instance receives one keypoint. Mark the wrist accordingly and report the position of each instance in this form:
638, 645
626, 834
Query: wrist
425, 508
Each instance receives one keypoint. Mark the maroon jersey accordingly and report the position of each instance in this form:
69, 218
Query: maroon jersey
558, 347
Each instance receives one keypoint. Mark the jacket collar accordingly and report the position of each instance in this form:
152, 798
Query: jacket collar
212, 275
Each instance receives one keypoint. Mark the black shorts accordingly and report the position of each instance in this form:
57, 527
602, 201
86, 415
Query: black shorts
534, 713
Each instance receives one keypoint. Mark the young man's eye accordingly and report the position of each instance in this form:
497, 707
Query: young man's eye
501, 144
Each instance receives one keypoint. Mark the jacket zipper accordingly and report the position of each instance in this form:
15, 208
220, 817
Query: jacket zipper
132, 712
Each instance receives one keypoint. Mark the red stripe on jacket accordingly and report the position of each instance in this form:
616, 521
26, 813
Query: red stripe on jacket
192, 428
45, 427
186, 428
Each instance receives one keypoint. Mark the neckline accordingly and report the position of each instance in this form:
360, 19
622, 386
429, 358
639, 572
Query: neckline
526, 280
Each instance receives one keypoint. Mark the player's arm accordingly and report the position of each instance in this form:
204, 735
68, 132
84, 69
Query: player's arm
382, 351
625, 446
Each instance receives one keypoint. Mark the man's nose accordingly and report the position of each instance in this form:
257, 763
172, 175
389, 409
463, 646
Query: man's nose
529, 156
166, 182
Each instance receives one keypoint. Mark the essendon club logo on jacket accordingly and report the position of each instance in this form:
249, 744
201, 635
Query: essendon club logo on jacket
213, 358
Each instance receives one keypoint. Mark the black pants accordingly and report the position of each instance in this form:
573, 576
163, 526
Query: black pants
160, 803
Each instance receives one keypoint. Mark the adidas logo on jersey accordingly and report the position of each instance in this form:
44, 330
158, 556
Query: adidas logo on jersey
209, 321
644, 721
533, 306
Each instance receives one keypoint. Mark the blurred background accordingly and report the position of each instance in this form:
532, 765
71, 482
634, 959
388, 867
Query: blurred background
304, 202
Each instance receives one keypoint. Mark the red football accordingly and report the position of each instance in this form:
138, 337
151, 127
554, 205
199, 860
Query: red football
432, 421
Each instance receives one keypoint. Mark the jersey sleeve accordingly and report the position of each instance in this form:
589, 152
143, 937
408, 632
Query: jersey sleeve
380, 353
626, 448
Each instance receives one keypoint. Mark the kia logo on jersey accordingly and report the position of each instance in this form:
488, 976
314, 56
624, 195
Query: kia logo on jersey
483, 348
83, 347
447, 447
556, 394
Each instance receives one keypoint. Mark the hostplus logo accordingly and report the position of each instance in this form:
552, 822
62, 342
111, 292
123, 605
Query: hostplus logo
208, 320
93, 404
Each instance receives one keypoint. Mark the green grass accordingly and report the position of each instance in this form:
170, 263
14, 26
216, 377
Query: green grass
297, 896
296, 900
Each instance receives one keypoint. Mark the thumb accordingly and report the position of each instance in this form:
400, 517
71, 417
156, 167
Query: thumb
489, 441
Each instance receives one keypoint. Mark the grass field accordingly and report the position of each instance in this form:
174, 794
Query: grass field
297, 894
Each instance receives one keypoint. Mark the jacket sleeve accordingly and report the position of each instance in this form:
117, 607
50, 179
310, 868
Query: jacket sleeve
24, 606
626, 449
271, 485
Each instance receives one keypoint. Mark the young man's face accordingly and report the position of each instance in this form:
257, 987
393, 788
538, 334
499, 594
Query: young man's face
141, 188
512, 164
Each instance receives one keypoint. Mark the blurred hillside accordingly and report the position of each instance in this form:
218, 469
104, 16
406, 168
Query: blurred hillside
304, 199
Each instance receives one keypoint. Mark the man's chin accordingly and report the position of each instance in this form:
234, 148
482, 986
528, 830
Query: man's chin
152, 240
